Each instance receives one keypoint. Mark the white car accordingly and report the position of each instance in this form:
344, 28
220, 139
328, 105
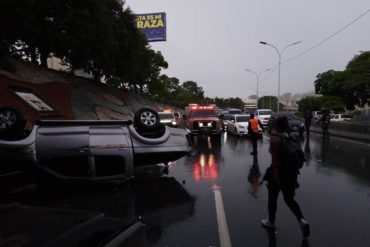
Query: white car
238, 125
168, 118
340, 118
263, 115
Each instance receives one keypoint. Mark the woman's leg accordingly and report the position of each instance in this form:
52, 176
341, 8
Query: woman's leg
273, 194
292, 204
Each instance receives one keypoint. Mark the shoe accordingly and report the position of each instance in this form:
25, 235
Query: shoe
268, 224
305, 227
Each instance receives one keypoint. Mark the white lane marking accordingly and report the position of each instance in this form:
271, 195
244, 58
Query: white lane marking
223, 230
348, 140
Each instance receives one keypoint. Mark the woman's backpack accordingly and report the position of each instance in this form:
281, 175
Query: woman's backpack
293, 154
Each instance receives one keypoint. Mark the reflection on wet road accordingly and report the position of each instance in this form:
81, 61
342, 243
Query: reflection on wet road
179, 208
334, 194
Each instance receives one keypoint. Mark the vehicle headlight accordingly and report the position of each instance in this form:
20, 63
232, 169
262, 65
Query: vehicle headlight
209, 124
174, 123
200, 125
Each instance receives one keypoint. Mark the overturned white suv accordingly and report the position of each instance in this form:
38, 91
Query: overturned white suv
90, 150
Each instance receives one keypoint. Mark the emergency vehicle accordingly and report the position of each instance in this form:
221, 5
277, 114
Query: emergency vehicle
204, 120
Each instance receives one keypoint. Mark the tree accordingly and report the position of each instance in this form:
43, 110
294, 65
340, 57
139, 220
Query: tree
98, 37
312, 103
316, 103
351, 85
196, 93
29, 28
269, 102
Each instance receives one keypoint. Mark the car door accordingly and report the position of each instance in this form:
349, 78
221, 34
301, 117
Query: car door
231, 124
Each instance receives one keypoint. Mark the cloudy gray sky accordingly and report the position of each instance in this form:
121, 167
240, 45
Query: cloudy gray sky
212, 42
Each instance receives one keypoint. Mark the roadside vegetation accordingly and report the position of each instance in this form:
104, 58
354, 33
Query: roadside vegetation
342, 90
100, 38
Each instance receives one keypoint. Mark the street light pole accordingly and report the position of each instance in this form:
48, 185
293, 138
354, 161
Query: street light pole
258, 78
280, 53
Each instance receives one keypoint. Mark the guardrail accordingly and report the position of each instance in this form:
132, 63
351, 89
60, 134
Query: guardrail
346, 129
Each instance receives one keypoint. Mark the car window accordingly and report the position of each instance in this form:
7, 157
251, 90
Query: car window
235, 112
288, 116
291, 117
201, 113
242, 118
165, 115
264, 112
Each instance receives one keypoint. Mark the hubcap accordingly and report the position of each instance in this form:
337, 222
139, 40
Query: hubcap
7, 119
148, 118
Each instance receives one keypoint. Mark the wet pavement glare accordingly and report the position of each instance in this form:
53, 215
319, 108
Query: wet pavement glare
178, 207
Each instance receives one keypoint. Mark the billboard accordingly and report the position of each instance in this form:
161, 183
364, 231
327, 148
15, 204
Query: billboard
153, 25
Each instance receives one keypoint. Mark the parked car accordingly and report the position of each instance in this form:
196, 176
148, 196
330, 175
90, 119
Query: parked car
234, 111
340, 117
295, 124
238, 125
263, 115
168, 118
91, 150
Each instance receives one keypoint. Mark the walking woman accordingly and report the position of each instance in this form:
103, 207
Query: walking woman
282, 178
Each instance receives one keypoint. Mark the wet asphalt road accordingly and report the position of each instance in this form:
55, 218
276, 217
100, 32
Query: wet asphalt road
179, 208
334, 195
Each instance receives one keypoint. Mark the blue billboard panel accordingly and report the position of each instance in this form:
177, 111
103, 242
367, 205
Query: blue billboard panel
153, 25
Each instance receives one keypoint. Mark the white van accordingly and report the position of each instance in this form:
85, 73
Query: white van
263, 115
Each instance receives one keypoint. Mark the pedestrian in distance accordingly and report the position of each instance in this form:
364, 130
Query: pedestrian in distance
253, 131
307, 122
325, 120
281, 176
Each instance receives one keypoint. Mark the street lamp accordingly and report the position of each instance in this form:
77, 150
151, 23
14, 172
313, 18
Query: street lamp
258, 78
280, 53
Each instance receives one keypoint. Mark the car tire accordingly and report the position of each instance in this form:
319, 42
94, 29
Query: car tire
146, 119
12, 121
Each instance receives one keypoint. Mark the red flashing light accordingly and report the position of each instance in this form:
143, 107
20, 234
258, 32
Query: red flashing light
198, 107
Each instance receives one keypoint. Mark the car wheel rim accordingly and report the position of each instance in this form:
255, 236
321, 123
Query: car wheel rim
148, 118
7, 119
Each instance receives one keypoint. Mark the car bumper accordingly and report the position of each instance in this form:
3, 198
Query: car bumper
205, 131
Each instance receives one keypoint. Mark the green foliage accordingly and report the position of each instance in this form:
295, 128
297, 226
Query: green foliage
312, 103
99, 37
316, 103
268, 102
229, 103
332, 103
351, 85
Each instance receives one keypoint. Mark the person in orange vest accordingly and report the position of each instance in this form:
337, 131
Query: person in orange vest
253, 131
